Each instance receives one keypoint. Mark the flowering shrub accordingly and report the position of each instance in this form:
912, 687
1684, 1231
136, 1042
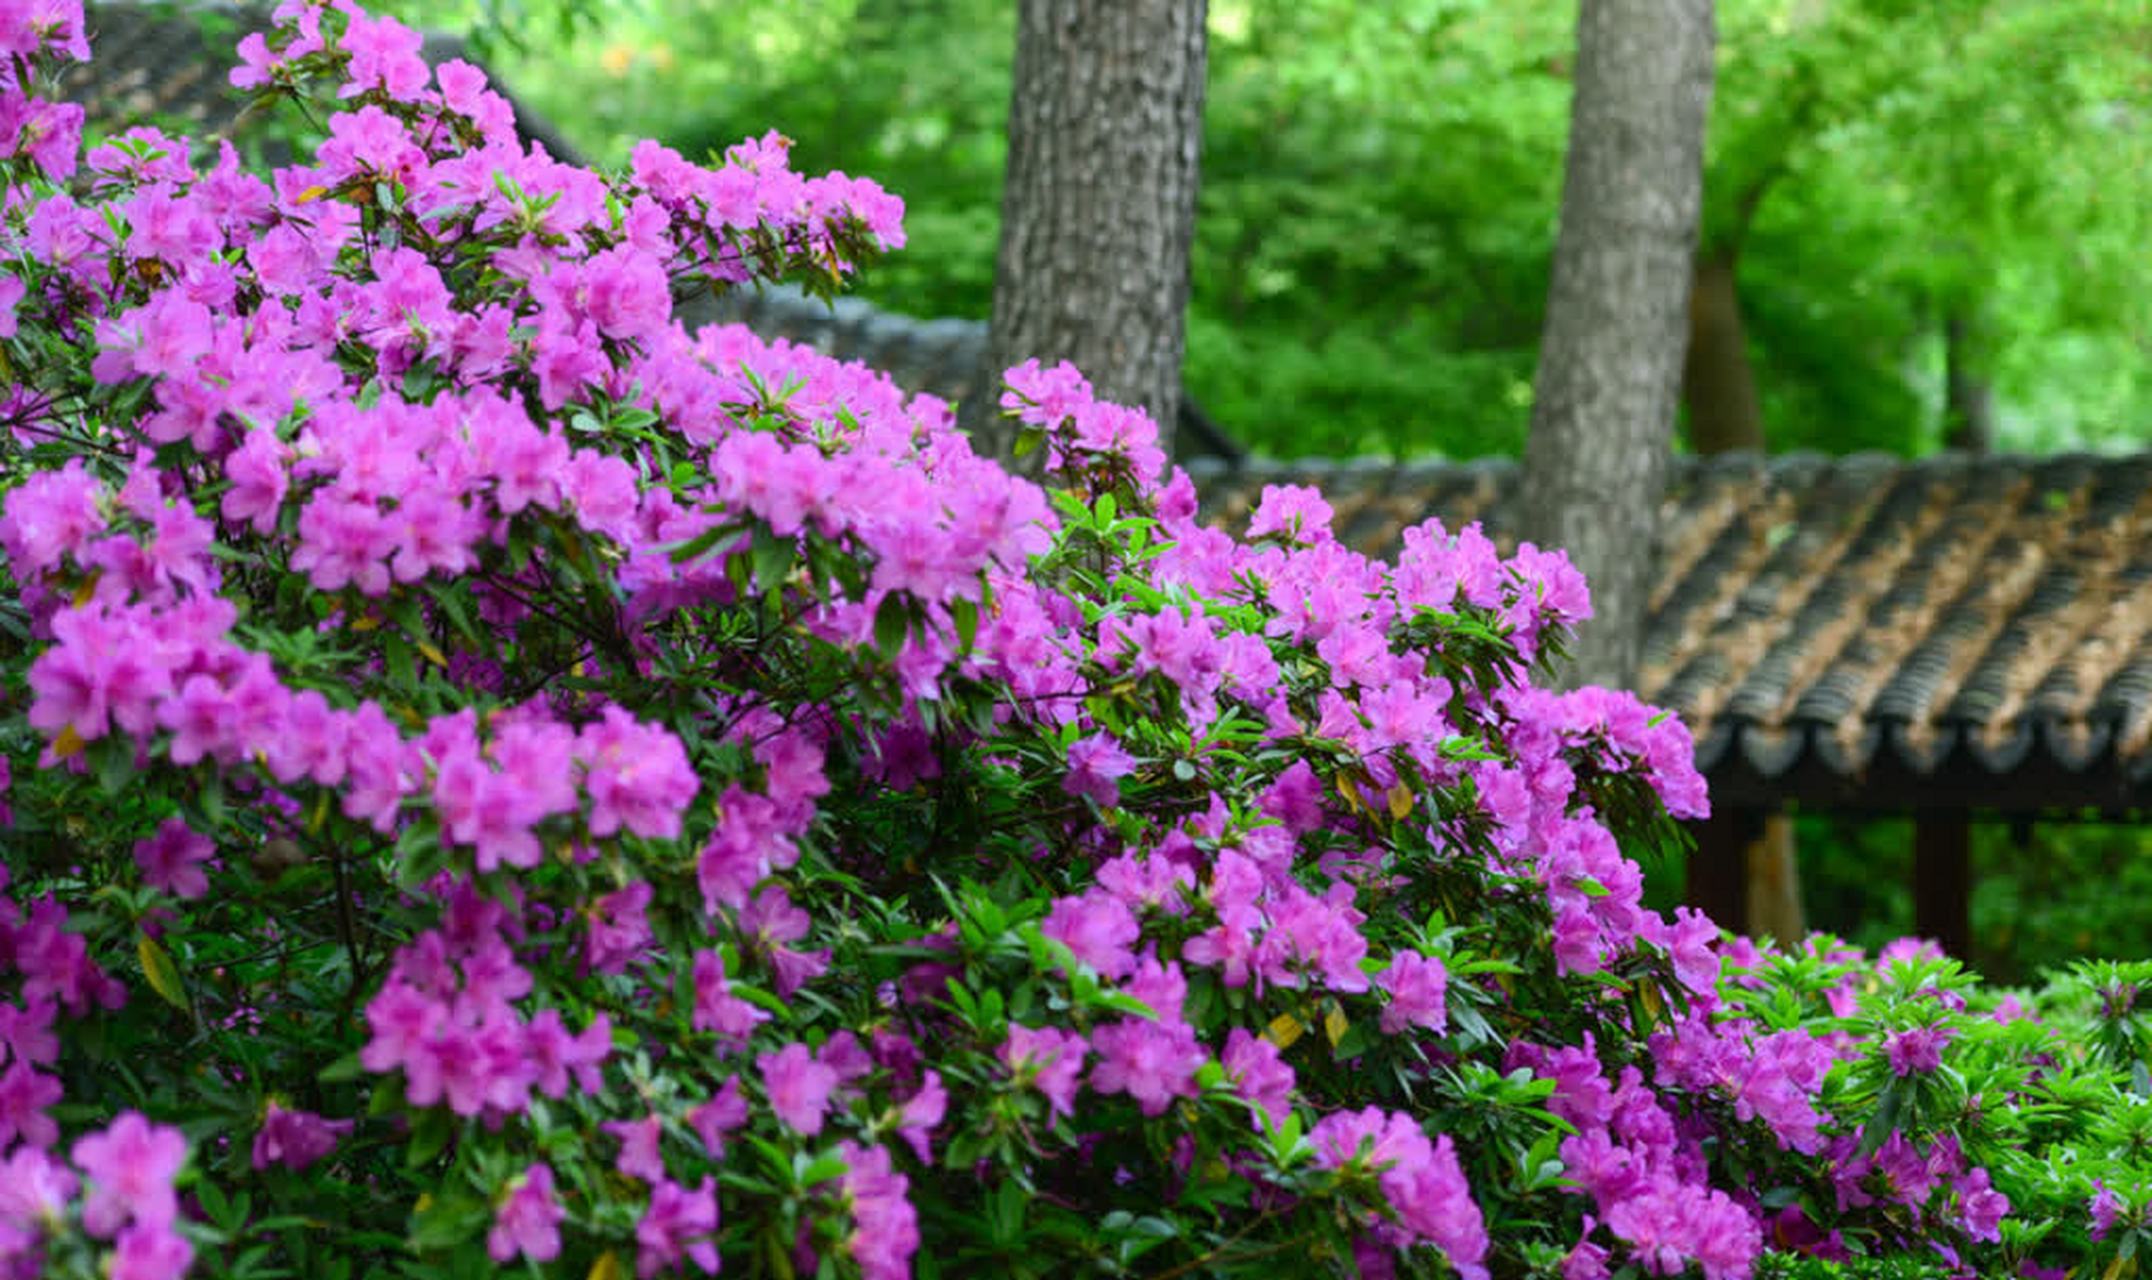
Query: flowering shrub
494, 779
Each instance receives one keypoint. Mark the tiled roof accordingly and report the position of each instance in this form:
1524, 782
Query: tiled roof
1958, 631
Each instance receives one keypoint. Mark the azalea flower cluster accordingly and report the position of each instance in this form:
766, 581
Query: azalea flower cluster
580, 793
119, 1181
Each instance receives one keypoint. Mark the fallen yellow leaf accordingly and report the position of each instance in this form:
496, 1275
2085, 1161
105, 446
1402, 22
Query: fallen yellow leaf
163, 975
1351, 792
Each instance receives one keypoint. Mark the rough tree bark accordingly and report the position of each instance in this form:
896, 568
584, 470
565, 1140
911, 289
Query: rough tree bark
1617, 316
1098, 210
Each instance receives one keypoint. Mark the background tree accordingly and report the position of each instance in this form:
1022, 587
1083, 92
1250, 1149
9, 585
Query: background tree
1886, 186
1617, 314
1098, 208
1375, 235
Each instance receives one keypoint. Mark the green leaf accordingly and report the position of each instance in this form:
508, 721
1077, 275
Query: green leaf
965, 614
1885, 1121
892, 622
114, 758
700, 545
430, 1135
387, 1097
215, 1204
163, 974
771, 557
447, 1222
397, 653
342, 1070
828, 1165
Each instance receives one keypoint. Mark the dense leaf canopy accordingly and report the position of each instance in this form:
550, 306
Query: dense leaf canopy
1380, 186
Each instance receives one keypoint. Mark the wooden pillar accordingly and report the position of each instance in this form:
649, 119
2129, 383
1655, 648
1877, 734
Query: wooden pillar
1717, 874
1774, 883
1943, 879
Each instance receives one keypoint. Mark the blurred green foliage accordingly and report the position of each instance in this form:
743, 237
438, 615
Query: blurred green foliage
2043, 895
1381, 185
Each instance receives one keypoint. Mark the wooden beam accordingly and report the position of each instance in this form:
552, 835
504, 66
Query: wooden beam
1774, 883
1716, 882
1943, 880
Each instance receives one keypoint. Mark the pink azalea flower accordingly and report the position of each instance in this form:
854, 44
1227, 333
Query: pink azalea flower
295, 1139
1099, 928
716, 1008
1259, 1073
639, 1156
173, 858
723, 1113
1418, 986
25, 1094
799, 1086
527, 1221
885, 1228
1095, 762
129, 1167
1049, 1060
679, 1225
150, 1251
1151, 1062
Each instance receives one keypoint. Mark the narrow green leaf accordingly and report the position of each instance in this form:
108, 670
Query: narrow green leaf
892, 622
163, 974
430, 1135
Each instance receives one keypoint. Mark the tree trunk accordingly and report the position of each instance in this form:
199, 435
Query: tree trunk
1610, 361
1968, 396
1098, 208
1717, 381
1718, 384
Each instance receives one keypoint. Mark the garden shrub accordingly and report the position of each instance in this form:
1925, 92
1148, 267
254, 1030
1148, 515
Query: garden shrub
498, 783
